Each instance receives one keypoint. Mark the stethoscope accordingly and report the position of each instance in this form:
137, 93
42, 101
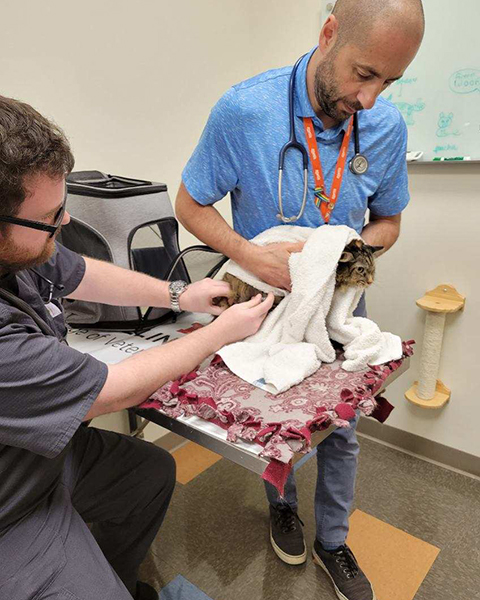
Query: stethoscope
26, 308
358, 165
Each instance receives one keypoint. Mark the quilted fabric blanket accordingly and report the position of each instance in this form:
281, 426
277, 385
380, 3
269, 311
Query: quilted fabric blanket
281, 423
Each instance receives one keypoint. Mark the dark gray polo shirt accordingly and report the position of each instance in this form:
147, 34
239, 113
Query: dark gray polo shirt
46, 388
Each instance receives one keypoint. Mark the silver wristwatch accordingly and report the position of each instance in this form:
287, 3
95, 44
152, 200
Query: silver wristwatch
176, 289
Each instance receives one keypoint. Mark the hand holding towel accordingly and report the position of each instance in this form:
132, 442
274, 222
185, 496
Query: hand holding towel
295, 338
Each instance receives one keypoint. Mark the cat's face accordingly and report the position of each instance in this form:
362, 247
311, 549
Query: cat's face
356, 267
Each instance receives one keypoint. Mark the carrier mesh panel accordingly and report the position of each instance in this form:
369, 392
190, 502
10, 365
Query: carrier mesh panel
127, 222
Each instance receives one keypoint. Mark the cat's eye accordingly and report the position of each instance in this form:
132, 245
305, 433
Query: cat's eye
361, 270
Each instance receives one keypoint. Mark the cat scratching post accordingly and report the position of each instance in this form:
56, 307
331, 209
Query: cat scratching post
428, 391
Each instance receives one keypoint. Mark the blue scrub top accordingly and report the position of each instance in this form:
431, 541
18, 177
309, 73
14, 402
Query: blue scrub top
239, 147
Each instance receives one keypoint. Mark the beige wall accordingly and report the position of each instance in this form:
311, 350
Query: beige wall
281, 31
133, 83
439, 243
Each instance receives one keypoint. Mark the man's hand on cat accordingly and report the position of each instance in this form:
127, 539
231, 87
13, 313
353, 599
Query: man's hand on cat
198, 297
242, 320
270, 263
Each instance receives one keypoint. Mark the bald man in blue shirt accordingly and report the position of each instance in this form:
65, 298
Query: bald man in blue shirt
364, 46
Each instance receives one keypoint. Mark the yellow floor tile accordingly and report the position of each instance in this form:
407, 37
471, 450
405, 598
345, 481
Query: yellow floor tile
192, 460
395, 562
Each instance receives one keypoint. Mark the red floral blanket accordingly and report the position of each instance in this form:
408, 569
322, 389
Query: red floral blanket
282, 424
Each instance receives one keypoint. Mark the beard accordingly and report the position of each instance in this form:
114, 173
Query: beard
14, 258
326, 92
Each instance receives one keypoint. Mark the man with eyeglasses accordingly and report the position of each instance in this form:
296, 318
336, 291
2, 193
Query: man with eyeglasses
56, 476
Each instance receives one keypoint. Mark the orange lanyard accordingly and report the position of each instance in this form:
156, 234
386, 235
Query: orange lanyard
323, 201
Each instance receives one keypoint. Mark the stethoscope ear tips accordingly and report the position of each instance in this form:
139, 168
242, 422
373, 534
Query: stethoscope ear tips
287, 220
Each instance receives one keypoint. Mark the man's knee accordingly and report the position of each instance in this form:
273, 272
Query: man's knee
158, 470
165, 466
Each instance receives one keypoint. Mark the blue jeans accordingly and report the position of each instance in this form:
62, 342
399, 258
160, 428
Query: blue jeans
337, 459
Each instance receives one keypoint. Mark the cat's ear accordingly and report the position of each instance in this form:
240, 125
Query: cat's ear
375, 250
346, 257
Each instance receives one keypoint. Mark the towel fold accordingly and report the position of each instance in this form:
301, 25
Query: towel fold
295, 338
364, 344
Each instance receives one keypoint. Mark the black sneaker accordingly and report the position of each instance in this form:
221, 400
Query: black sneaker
286, 535
349, 581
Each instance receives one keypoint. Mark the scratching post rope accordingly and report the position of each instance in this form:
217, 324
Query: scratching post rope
431, 351
428, 391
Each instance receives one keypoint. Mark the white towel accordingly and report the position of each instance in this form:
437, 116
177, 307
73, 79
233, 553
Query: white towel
295, 338
363, 342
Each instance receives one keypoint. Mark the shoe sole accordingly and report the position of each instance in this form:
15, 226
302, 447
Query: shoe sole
318, 561
288, 558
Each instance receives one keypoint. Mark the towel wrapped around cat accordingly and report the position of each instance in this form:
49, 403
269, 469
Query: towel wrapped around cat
295, 338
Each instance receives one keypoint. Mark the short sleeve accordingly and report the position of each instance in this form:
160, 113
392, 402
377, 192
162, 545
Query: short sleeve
46, 388
213, 169
392, 196
65, 267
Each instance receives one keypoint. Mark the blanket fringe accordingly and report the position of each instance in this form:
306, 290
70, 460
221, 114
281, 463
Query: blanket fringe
176, 400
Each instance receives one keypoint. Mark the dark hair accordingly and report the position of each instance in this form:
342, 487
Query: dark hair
29, 144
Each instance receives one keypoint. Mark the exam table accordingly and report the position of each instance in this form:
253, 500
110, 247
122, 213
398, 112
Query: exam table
112, 347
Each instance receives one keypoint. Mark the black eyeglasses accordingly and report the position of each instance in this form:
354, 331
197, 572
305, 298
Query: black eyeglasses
52, 229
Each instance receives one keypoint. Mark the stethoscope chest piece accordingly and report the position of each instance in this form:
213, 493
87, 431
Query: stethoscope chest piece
359, 164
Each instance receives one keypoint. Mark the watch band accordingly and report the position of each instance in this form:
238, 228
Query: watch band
176, 289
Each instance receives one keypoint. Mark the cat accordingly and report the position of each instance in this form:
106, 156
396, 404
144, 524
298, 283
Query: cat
356, 267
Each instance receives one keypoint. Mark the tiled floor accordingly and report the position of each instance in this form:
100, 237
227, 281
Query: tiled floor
192, 460
407, 512
400, 553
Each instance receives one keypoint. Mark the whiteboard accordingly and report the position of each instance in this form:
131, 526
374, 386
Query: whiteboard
439, 95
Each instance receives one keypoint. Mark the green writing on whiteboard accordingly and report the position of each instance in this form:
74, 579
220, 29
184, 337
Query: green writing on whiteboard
444, 126
406, 80
408, 109
465, 81
445, 148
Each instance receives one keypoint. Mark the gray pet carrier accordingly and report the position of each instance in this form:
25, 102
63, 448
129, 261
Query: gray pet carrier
130, 223
127, 222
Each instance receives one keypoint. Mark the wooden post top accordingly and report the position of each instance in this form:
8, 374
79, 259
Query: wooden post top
443, 299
